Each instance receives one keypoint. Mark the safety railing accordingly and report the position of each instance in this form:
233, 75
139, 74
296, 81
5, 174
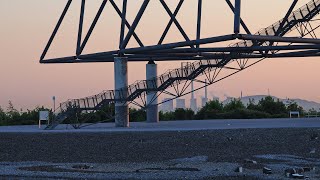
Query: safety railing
306, 12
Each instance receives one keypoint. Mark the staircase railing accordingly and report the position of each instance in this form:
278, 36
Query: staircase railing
305, 13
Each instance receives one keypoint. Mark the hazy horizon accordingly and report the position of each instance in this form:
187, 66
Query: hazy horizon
27, 25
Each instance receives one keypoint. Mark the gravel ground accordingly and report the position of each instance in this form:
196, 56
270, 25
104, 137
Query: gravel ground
210, 154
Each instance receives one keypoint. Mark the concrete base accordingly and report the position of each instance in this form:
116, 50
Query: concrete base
121, 82
122, 115
153, 114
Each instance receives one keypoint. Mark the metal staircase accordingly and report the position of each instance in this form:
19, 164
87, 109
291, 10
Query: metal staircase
179, 75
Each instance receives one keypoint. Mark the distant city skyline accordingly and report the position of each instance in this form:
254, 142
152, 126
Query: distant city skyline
182, 102
26, 27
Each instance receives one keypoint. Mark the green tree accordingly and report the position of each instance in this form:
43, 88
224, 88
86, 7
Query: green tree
253, 106
312, 112
3, 116
244, 114
166, 116
13, 115
210, 110
234, 104
269, 105
178, 114
293, 106
137, 115
105, 114
183, 114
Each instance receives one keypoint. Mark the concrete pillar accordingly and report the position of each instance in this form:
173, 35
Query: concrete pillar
152, 99
121, 82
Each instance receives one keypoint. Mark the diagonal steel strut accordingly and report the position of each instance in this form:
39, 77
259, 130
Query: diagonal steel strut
245, 27
126, 22
93, 25
175, 20
56, 29
164, 34
134, 24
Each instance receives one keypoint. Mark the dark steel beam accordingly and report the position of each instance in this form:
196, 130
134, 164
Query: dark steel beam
312, 53
123, 20
181, 44
279, 39
286, 17
164, 46
57, 60
144, 56
235, 49
237, 14
199, 21
308, 53
53, 35
83, 3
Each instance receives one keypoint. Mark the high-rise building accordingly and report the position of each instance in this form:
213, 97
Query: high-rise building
193, 100
194, 105
167, 105
205, 98
181, 104
204, 101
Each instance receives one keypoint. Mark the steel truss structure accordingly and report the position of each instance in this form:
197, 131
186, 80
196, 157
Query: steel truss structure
214, 64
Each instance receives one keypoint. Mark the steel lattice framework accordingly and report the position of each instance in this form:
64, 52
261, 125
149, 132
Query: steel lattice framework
214, 64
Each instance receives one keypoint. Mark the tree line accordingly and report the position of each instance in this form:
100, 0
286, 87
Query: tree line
267, 107
12, 116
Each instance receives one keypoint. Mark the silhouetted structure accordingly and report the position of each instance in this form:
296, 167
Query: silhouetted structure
215, 63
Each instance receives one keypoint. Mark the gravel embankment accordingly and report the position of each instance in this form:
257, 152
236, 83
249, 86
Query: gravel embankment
212, 154
218, 145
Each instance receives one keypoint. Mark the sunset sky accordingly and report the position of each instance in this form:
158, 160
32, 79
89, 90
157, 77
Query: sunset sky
27, 25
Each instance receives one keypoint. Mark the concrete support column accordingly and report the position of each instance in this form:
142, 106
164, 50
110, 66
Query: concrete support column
152, 99
121, 84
